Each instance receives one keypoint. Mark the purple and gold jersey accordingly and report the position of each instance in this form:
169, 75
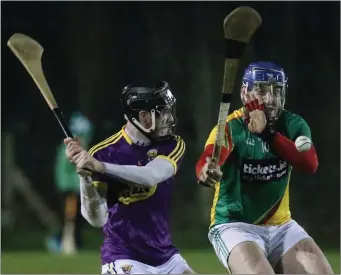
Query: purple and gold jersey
138, 217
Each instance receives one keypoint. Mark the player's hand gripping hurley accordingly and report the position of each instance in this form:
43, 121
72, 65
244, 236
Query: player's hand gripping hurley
239, 27
30, 52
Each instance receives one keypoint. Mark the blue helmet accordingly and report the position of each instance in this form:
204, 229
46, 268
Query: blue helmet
264, 74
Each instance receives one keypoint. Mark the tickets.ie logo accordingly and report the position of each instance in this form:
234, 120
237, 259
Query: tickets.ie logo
263, 170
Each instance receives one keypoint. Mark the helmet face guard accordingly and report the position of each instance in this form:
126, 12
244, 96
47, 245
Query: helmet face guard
268, 81
158, 101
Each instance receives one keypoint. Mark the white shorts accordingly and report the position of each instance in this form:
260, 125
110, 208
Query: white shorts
274, 240
175, 265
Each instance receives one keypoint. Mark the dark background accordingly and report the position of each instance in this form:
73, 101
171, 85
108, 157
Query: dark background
94, 49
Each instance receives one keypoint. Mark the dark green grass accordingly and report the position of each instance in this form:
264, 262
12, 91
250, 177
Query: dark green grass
89, 262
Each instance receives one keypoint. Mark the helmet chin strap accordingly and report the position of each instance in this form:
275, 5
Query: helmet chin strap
147, 130
141, 134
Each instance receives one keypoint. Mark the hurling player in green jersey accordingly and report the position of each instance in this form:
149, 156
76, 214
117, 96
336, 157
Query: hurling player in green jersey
251, 227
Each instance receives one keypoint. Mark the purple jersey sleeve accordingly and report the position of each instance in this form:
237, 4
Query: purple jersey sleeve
101, 153
174, 151
107, 187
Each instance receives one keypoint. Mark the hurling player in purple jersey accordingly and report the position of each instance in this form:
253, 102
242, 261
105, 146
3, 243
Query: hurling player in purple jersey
128, 191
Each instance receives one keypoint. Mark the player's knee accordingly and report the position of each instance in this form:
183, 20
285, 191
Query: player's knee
312, 257
248, 258
305, 257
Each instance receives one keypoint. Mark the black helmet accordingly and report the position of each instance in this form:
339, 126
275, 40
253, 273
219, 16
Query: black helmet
155, 99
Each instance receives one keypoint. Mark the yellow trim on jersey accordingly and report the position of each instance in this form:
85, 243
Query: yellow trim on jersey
176, 154
236, 114
126, 137
109, 141
100, 184
215, 200
171, 161
283, 214
213, 135
211, 140
142, 193
101, 187
262, 217
179, 149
